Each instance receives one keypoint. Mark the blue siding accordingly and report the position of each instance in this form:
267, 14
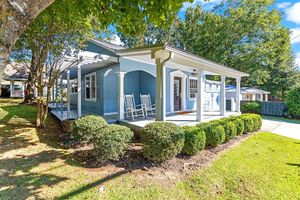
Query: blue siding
139, 82
110, 96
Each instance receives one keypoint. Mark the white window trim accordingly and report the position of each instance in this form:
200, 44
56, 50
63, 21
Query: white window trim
90, 75
178, 73
189, 88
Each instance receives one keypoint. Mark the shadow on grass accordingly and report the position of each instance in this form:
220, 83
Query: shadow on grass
19, 181
293, 164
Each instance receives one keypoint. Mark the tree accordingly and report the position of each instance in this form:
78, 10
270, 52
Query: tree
127, 16
67, 23
242, 34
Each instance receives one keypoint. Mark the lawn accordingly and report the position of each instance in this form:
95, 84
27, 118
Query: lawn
34, 165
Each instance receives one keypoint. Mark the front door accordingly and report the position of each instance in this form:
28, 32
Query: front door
177, 93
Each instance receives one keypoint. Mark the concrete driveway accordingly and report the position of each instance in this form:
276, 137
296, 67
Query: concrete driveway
287, 129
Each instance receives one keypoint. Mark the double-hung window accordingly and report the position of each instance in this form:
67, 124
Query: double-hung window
90, 87
193, 88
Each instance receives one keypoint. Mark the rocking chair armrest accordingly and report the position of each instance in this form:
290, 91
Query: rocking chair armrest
139, 106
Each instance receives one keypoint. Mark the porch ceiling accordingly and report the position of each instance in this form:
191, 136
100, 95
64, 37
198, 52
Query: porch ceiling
180, 60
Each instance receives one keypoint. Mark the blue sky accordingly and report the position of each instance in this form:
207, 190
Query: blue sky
291, 18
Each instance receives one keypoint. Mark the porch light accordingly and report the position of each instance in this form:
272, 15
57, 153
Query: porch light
194, 72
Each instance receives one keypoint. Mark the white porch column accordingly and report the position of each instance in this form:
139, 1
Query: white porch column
56, 94
253, 97
160, 104
222, 96
200, 94
261, 97
11, 88
61, 97
23, 89
266, 97
238, 95
121, 76
68, 93
79, 90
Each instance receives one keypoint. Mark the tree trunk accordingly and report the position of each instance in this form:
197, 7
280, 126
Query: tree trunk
15, 16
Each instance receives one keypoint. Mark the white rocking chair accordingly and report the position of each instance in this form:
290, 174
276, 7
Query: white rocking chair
147, 105
136, 111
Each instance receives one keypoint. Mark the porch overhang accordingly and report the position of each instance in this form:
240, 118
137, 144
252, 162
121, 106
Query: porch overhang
180, 59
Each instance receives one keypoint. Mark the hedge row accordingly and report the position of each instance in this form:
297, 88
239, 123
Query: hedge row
164, 140
109, 141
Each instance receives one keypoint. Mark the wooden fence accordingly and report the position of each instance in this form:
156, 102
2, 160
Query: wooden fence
271, 108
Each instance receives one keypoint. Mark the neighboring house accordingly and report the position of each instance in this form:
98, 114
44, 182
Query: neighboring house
14, 80
248, 94
175, 80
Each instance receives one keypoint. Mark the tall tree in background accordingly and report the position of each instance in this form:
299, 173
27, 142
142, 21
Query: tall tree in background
243, 34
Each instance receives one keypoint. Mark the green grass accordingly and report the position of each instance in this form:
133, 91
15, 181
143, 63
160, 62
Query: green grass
295, 121
33, 165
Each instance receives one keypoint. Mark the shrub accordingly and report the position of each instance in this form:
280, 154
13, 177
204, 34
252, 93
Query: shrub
239, 126
230, 130
248, 123
215, 134
257, 121
250, 107
110, 142
88, 126
194, 140
162, 141
293, 102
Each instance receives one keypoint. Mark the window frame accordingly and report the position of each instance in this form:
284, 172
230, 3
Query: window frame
189, 89
90, 75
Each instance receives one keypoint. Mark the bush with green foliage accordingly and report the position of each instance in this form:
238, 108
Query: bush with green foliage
111, 142
214, 132
230, 130
87, 127
194, 140
162, 141
293, 102
257, 121
250, 107
248, 123
239, 126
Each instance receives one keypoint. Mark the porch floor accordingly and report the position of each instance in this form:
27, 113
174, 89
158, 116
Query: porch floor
186, 119
61, 116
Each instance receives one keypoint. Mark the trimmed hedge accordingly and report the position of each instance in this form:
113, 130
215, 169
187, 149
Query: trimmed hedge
215, 133
230, 130
162, 141
194, 140
87, 127
240, 127
110, 143
250, 107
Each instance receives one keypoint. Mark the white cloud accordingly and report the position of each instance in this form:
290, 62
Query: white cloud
295, 35
200, 2
293, 13
284, 5
115, 39
298, 60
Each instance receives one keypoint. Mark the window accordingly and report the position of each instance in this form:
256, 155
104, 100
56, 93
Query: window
90, 87
193, 88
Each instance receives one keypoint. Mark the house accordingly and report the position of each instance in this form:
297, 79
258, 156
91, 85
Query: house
175, 80
248, 94
15, 76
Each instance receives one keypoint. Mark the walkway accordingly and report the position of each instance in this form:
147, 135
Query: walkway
287, 129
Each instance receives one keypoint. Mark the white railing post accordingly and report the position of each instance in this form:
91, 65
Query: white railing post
222, 96
121, 76
68, 93
200, 94
238, 94
79, 90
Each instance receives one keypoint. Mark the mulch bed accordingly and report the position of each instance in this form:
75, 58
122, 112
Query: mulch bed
171, 170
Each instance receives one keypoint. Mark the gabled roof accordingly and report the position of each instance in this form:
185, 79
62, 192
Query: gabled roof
107, 45
16, 72
247, 90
